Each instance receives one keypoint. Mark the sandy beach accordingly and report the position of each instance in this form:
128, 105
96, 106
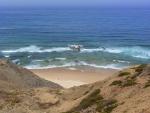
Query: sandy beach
70, 77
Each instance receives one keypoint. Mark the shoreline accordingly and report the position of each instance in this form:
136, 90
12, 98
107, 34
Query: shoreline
69, 77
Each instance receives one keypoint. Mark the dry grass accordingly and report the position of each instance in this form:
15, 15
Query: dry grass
11, 98
102, 105
90, 100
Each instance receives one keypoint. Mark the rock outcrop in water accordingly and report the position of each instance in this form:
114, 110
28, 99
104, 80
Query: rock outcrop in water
126, 92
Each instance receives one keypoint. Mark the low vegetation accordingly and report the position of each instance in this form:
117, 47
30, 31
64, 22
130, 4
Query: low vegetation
88, 101
134, 76
124, 83
102, 105
44, 105
116, 82
13, 100
10, 98
86, 92
106, 106
129, 82
1, 107
140, 68
124, 74
147, 84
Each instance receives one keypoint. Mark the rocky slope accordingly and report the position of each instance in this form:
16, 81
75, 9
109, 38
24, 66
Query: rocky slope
12, 76
126, 92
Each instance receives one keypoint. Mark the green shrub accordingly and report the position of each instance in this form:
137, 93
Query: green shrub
134, 76
72, 112
117, 82
129, 82
86, 92
125, 83
10, 97
45, 105
124, 74
13, 100
140, 68
102, 106
1, 107
147, 84
94, 93
90, 100
106, 106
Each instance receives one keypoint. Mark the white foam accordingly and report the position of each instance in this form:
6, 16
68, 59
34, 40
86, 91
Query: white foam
92, 50
107, 66
37, 49
16, 61
135, 51
71, 68
31, 66
37, 60
113, 50
121, 61
6, 56
60, 58
74, 64
29, 56
110, 50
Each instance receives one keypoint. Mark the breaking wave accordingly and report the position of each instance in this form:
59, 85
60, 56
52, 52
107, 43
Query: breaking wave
135, 51
37, 49
74, 64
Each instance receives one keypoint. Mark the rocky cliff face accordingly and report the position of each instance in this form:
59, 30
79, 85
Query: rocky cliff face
126, 92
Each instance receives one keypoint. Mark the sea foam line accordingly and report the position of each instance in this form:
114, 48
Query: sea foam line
32, 49
74, 64
134, 51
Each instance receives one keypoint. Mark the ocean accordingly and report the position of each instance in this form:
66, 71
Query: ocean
111, 38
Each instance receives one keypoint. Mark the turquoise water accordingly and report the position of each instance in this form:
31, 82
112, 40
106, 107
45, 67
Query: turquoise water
39, 38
